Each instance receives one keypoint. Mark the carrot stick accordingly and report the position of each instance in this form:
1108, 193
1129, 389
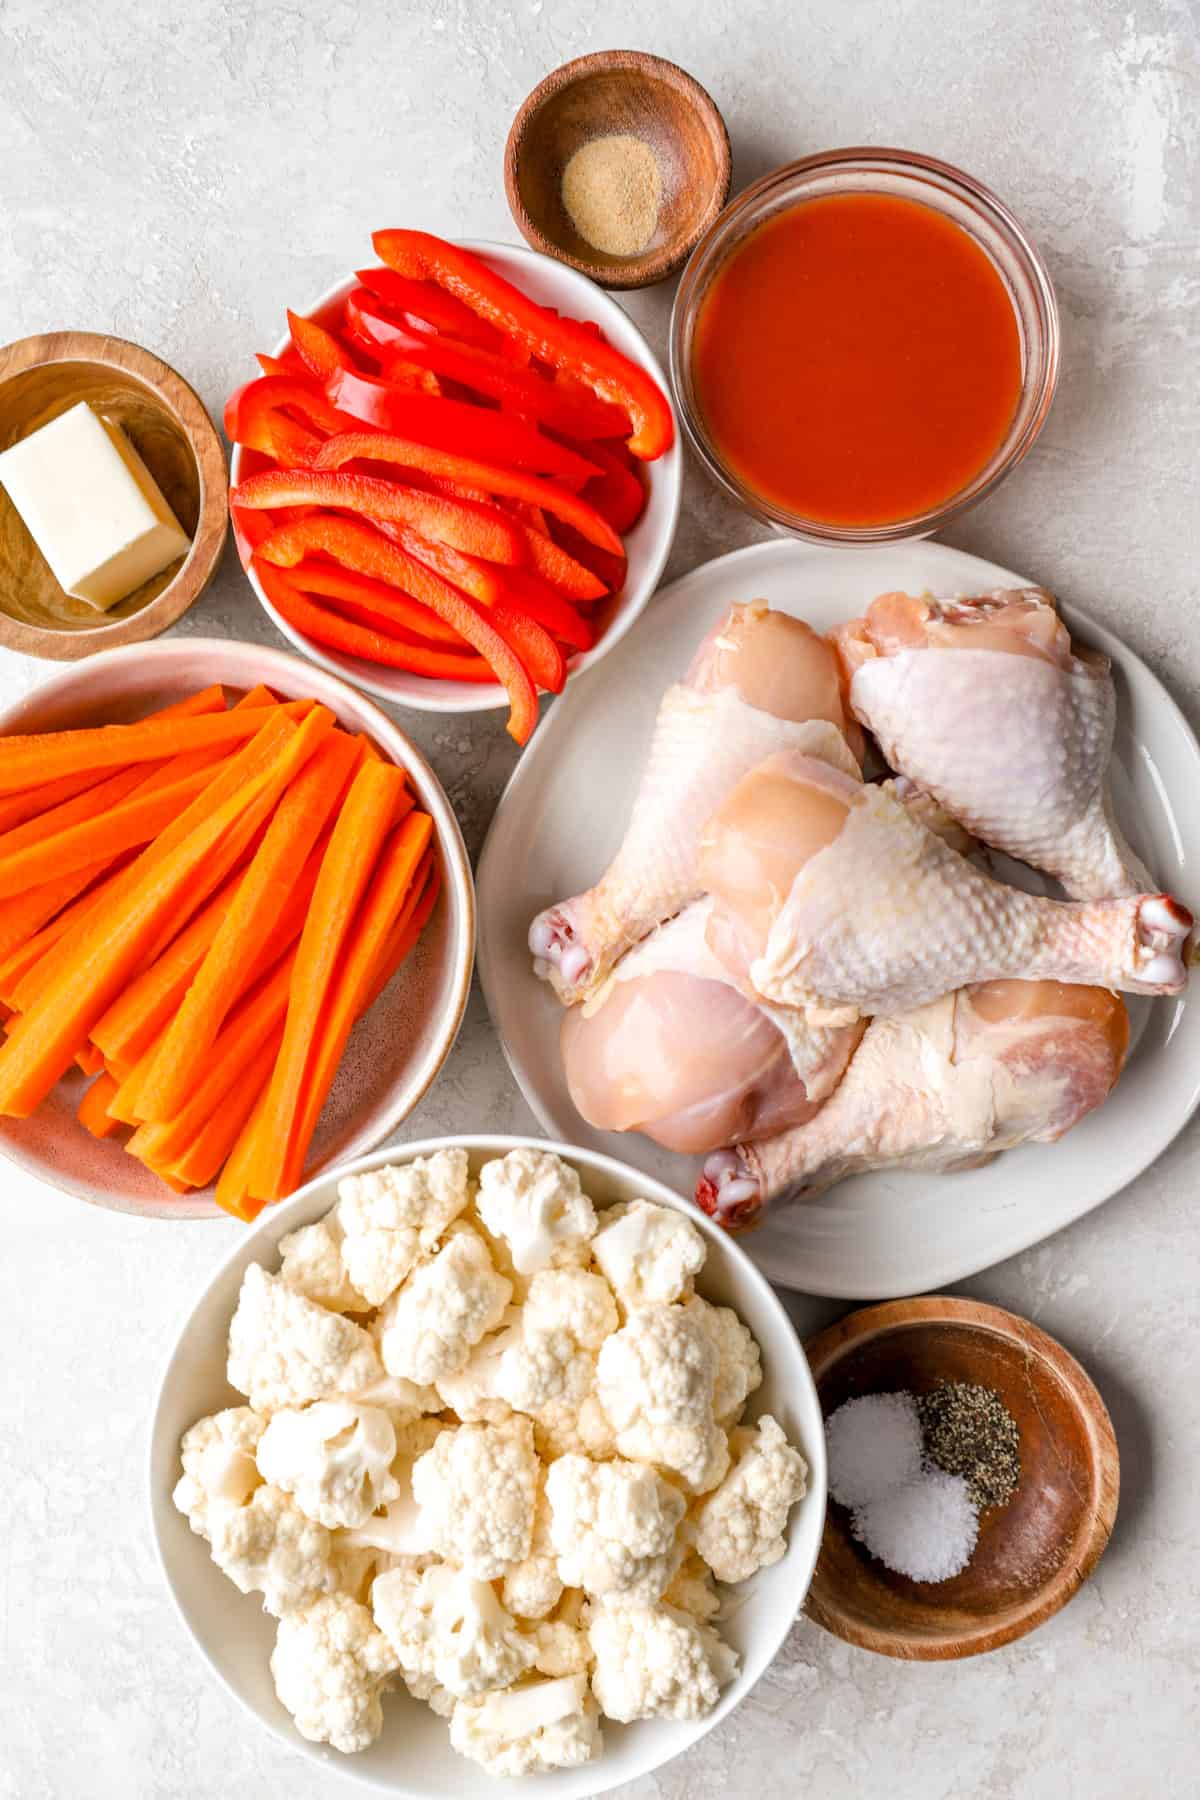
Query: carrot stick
135, 1018
255, 1024
44, 756
89, 1060
41, 1045
204, 1157
262, 893
273, 727
360, 830
32, 801
24, 968
131, 1030
407, 929
232, 1190
92, 1112
393, 877
126, 819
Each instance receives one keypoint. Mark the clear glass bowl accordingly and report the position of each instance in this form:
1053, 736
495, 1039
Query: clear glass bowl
910, 177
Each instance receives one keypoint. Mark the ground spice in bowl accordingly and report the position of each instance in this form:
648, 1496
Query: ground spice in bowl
611, 189
968, 1431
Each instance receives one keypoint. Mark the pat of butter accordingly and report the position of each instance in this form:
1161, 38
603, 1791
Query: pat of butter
91, 506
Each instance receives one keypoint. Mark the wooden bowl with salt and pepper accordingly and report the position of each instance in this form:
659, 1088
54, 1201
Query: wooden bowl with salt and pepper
165, 421
1033, 1553
617, 163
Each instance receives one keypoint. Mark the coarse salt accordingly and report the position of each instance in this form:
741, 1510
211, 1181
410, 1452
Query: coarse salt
925, 1529
874, 1443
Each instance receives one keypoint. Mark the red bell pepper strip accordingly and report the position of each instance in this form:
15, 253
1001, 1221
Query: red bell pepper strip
523, 391
346, 588
319, 350
563, 343
616, 493
290, 363
249, 530
255, 416
483, 581
455, 425
530, 594
553, 564
426, 301
515, 484
369, 645
358, 547
609, 569
532, 643
478, 530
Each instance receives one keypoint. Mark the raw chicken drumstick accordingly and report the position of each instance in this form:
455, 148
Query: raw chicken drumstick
831, 894
985, 705
671, 1048
943, 1087
762, 681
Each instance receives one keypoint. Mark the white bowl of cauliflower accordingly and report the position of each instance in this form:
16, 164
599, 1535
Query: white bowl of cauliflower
488, 1458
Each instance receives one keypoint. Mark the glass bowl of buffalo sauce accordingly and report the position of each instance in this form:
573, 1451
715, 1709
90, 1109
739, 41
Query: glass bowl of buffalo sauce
863, 345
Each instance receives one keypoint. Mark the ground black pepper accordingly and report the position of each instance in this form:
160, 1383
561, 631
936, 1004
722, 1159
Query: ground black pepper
969, 1431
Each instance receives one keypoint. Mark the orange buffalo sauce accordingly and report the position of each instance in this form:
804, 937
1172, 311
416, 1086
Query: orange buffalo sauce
857, 359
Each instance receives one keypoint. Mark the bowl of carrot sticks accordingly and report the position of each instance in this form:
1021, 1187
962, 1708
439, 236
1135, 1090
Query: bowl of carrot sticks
456, 480
236, 927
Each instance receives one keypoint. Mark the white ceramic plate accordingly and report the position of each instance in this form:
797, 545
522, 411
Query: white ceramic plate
564, 813
394, 1052
413, 1757
647, 546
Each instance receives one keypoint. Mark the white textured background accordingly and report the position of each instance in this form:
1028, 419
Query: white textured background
176, 171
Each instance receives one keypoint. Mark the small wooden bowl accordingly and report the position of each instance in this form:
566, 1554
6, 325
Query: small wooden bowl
627, 92
40, 377
1032, 1554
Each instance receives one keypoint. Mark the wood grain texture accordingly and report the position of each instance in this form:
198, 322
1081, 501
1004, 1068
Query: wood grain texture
41, 377
1032, 1554
618, 91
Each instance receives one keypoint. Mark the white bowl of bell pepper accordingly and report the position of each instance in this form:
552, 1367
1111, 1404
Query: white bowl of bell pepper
457, 479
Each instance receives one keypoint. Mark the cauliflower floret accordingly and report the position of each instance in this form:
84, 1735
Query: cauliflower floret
533, 1200
270, 1547
392, 1216
649, 1253
312, 1263
563, 1429
399, 1530
542, 1367
739, 1361
655, 1380
741, 1527
692, 1590
571, 1300
532, 1587
446, 1626
329, 1664
429, 1326
219, 1471
284, 1349
653, 1662
476, 1489
613, 1526
334, 1458
527, 1730
559, 1648
471, 1391
402, 1401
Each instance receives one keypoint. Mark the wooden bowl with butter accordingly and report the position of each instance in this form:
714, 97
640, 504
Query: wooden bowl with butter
617, 164
42, 378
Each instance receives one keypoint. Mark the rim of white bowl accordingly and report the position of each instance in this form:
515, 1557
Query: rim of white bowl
465, 697
276, 1220
458, 882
